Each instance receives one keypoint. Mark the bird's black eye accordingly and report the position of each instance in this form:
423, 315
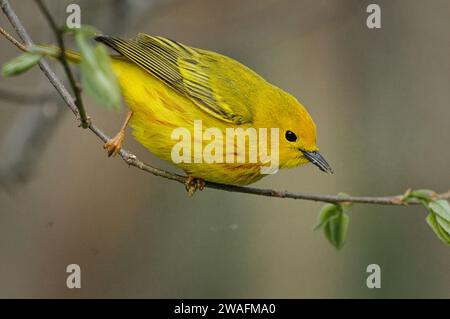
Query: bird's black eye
290, 136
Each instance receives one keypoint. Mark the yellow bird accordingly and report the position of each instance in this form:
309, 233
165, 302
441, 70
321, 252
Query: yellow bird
169, 85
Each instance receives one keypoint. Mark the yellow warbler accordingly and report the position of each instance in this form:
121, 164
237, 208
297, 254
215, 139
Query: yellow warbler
168, 85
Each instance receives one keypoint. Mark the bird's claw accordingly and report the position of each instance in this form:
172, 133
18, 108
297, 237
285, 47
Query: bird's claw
193, 184
114, 145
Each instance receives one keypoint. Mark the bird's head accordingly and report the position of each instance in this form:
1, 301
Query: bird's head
297, 139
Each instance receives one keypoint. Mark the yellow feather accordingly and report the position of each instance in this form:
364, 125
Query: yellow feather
169, 85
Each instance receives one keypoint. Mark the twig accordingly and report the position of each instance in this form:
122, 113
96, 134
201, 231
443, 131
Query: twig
59, 34
132, 160
13, 40
43, 65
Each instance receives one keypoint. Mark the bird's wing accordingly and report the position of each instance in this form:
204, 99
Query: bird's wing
197, 74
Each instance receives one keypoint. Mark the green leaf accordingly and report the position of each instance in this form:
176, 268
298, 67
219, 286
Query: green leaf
87, 51
327, 211
334, 222
441, 208
96, 72
21, 63
438, 230
336, 230
422, 194
445, 225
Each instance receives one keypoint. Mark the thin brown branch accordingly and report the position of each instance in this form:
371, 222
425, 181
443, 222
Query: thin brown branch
11, 39
59, 34
132, 160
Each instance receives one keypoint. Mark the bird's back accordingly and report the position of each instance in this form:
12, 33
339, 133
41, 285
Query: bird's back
219, 85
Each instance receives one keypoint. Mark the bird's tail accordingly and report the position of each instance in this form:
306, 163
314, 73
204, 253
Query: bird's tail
54, 51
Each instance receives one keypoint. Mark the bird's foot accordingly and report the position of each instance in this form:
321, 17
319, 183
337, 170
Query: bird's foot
114, 145
193, 184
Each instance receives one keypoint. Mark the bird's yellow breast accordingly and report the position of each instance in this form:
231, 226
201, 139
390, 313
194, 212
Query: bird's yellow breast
158, 111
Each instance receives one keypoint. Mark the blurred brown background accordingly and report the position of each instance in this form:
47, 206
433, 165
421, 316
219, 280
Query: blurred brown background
379, 97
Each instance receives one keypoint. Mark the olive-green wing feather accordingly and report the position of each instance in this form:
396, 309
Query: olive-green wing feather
207, 78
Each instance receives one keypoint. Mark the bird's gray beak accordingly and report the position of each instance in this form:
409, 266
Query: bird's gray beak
317, 159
